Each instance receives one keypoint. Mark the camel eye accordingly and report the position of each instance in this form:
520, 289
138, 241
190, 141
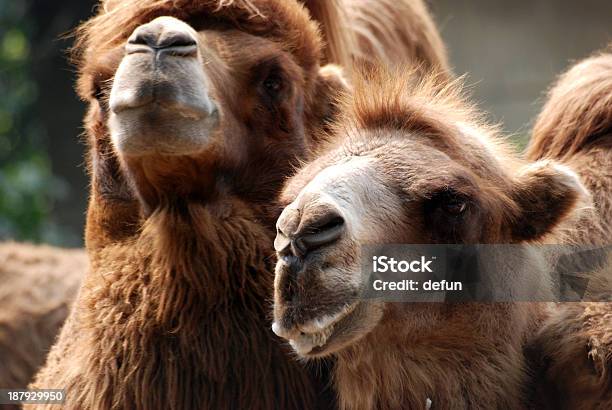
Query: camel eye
449, 202
271, 81
273, 84
454, 206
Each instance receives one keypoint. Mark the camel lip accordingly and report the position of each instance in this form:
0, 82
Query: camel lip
151, 97
308, 344
318, 346
312, 338
184, 50
157, 130
153, 107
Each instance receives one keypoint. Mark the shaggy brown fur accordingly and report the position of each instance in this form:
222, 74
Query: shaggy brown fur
175, 311
578, 112
418, 149
574, 347
387, 31
572, 357
39, 284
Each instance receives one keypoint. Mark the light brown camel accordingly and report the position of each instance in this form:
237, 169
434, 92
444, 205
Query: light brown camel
574, 347
412, 162
418, 41
198, 112
37, 287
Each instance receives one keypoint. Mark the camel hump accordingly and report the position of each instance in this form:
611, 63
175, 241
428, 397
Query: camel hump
391, 32
578, 113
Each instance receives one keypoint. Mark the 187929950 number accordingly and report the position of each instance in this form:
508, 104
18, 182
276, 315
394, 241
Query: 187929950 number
23, 396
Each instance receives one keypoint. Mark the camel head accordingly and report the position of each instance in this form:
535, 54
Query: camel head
410, 162
190, 102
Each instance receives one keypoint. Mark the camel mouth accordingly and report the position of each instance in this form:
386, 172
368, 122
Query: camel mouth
158, 130
316, 337
151, 94
317, 294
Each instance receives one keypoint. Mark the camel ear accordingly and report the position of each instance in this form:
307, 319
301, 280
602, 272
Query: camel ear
331, 84
546, 192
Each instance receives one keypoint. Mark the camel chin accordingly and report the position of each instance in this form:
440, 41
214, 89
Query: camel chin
329, 334
160, 100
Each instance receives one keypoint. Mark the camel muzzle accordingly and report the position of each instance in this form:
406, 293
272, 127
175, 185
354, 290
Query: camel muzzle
160, 99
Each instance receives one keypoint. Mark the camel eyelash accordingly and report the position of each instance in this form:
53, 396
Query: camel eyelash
98, 92
270, 76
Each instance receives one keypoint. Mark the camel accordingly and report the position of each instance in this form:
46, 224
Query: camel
39, 284
410, 161
573, 349
198, 111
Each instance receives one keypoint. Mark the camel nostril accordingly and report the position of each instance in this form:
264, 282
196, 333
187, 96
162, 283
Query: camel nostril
164, 40
162, 34
176, 40
320, 233
300, 249
296, 237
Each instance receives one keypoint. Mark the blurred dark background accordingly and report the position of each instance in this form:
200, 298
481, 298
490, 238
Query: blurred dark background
511, 51
43, 186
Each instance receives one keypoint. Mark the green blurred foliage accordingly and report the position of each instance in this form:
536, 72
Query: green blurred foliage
28, 189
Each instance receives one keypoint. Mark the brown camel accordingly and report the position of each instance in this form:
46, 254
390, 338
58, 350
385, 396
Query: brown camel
574, 347
412, 162
38, 285
198, 111
418, 41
